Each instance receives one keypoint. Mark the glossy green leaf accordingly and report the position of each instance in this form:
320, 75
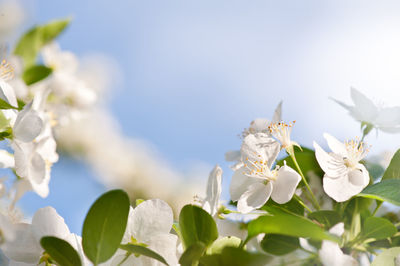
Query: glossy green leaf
386, 190
60, 251
377, 228
306, 160
288, 224
4, 122
393, 170
141, 250
35, 74
197, 225
220, 244
292, 206
279, 244
6, 105
326, 217
192, 254
104, 226
234, 257
387, 257
31, 42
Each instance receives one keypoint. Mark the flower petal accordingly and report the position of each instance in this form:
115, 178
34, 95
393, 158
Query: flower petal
239, 183
27, 126
6, 159
285, 184
7, 93
214, 189
365, 109
255, 197
260, 146
335, 145
277, 116
47, 222
341, 189
331, 255
165, 245
332, 165
151, 217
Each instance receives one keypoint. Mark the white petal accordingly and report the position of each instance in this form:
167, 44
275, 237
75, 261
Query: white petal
230, 228
255, 197
232, 156
331, 255
21, 186
240, 183
277, 116
27, 126
260, 146
304, 244
285, 184
151, 217
388, 117
259, 125
335, 145
365, 109
6, 228
47, 222
7, 93
6, 159
337, 229
24, 247
166, 246
341, 189
332, 164
214, 189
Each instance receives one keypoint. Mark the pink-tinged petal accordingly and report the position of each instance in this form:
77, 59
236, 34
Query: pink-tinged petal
285, 184
255, 197
332, 164
239, 183
151, 217
341, 189
335, 145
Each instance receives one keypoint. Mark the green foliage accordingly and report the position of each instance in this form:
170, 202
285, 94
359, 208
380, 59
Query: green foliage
292, 206
31, 42
231, 256
35, 74
386, 190
104, 226
60, 251
326, 217
141, 250
288, 224
220, 244
377, 228
279, 244
197, 225
307, 161
6, 105
192, 254
387, 257
393, 170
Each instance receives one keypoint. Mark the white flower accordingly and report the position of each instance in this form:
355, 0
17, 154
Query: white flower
150, 223
214, 189
330, 252
25, 247
6, 159
344, 175
364, 110
258, 125
254, 182
281, 131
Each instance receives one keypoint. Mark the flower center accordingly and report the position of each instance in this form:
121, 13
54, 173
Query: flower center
260, 169
6, 71
282, 131
356, 151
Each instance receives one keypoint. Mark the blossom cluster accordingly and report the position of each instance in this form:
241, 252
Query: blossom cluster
290, 205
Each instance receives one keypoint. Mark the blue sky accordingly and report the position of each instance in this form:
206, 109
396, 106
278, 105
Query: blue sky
197, 72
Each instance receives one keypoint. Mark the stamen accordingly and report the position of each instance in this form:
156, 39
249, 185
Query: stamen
6, 71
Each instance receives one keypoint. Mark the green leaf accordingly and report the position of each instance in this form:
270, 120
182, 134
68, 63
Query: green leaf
377, 228
279, 244
288, 224
6, 105
197, 225
307, 161
31, 42
60, 251
326, 217
292, 206
104, 226
234, 257
393, 170
141, 250
4, 122
35, 74
387, 257
386, 190
192, 254
375, 170
220, 244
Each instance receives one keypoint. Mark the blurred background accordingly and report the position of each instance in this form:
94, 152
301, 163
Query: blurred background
186, 77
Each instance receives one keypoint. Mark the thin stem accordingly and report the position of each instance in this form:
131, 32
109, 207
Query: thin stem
378, 204
314, 200
302, 203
